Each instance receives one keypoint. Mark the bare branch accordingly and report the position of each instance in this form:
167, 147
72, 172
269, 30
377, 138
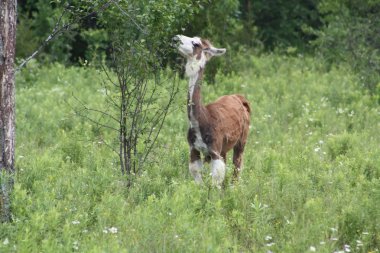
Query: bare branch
126, 14
100, 141
84, 115
175, 89
108, 76
60, 30
95, 121
95, 110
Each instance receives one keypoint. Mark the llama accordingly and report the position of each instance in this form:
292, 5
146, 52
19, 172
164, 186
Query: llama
217, 127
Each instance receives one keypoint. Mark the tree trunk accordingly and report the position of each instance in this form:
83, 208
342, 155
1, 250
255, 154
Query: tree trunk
7, 102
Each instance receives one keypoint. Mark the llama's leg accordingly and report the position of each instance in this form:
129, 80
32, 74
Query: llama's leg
207, 159
195, 165
238, 159
224, 155
218, 169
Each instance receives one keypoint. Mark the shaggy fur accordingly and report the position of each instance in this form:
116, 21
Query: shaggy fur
217, 127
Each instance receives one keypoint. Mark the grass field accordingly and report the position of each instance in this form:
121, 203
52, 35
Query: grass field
311, 179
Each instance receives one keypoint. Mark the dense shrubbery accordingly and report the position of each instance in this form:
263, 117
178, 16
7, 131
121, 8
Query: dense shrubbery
350, 34
339, 31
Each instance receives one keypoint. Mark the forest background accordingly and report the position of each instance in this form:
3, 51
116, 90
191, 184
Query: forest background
339, 31
311, 178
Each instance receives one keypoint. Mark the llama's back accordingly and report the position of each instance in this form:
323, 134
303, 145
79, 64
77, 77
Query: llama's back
230, 106
245, 102
230, 113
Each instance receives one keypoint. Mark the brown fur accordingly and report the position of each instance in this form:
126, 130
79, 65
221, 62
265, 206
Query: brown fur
223, 124
229, 120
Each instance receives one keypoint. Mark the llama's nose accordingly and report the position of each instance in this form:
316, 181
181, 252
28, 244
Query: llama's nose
176, 41
175, 38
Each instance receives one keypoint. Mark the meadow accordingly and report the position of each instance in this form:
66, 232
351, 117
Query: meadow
311, 178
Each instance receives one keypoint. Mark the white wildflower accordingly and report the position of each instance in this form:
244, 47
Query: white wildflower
75, 222
347, 248
105, 231
320, 142
103, 91
75, 245
270, 244
6, 241
112, 230
268, 238
317, 149
312, 249
339, 111
322, 243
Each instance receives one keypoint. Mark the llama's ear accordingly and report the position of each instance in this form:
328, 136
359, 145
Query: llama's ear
213, 51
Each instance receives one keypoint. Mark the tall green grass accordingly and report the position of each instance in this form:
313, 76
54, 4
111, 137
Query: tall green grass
311, 179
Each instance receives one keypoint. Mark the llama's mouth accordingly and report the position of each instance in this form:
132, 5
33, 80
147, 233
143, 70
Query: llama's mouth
178, 43
182, 52
175, 39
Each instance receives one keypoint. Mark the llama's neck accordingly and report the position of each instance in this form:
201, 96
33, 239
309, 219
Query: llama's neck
197, 113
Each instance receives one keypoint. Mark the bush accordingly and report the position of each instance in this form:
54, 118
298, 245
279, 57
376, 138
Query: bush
339, 145
350, 35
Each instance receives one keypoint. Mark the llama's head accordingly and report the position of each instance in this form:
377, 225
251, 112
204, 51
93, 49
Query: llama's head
197, 51
197, 47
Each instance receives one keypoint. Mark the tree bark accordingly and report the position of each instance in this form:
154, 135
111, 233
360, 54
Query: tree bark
8, 17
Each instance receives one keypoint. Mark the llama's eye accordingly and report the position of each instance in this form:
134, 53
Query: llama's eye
195, 44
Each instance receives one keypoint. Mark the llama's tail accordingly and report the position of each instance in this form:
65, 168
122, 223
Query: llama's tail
245, 103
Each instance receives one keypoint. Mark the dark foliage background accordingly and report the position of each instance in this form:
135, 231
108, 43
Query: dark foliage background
337, 30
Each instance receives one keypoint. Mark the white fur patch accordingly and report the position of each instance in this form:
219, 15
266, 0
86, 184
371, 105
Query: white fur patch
195, 170
192, 82
193, 65
218, 171
199, 144
186, 46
